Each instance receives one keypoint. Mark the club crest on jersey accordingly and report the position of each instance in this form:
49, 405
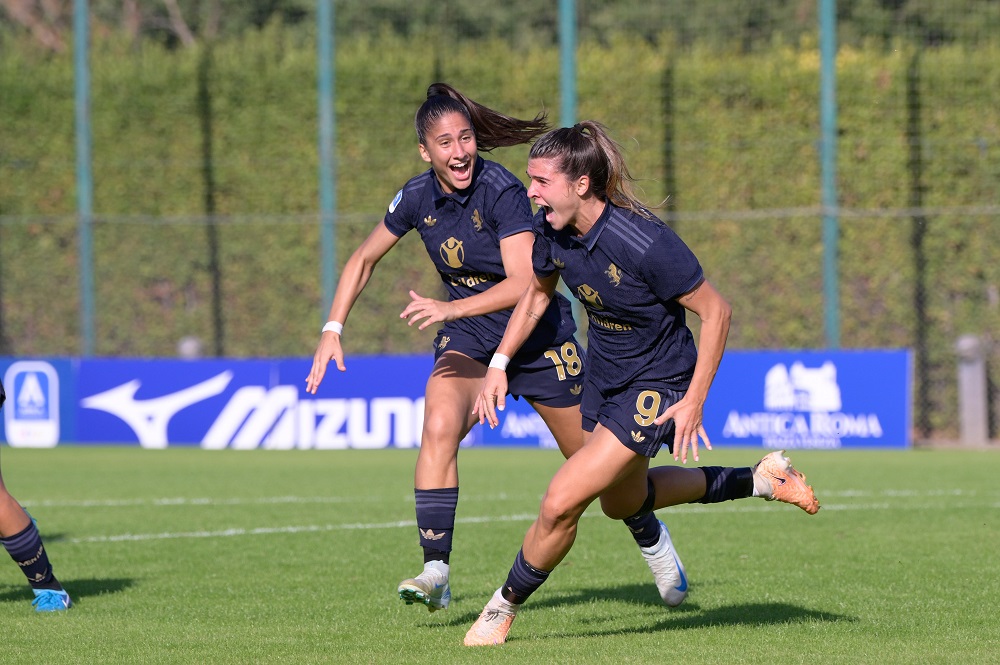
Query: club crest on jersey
590, 296
430, 221
452, 252
477, 219
395, 201
614, 274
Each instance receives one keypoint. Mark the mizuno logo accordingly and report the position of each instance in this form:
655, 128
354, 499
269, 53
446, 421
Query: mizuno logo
638, 437
149, 418
430, 535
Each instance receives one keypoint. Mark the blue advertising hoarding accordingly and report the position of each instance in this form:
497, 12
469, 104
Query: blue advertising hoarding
811, 399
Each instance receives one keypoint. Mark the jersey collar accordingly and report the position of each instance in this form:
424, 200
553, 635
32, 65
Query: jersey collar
589, 239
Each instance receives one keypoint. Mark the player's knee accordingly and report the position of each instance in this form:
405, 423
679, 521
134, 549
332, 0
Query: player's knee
559, 511
615, 510
441, 430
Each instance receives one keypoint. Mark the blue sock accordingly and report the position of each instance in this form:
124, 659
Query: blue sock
436, 521
522, 580
27, 550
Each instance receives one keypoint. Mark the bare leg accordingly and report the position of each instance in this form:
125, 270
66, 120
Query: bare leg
599, 467
13, 519
566, 426
449, 397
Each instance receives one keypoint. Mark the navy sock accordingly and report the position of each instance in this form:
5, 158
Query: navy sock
522, 580
644, 526
27, 550
726, 483
436, 521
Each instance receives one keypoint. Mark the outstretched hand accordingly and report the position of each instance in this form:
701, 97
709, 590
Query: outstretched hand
329, 349
434, 311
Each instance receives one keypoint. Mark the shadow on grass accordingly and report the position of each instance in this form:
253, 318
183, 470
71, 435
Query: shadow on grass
77, 589
687, 616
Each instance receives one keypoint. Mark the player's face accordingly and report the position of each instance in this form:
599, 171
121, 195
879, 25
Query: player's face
553, 192
450, 148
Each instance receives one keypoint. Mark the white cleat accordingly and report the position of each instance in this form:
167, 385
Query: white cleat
668, 571
429, 588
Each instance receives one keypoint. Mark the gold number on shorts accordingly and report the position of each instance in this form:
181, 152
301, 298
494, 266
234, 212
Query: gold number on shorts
567, 360
647, 404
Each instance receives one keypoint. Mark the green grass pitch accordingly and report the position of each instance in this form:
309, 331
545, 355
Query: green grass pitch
189, 556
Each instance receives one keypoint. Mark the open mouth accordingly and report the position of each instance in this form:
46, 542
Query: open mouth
462, 170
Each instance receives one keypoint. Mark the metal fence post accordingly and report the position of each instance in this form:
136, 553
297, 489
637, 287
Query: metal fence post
972, 403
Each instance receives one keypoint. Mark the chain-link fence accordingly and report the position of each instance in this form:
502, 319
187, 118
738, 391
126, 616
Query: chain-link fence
205, 165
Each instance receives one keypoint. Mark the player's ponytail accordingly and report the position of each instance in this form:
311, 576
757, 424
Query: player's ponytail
493, 129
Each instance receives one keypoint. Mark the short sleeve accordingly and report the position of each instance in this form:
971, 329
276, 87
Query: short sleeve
511, 209
402, 213
670, 268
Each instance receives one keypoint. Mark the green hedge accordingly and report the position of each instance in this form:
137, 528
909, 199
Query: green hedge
743, 162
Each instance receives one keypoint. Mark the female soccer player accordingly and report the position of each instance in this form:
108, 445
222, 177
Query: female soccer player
646, 382
20, 538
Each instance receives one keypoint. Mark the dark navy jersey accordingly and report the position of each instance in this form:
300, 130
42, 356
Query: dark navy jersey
462, 233
628, 272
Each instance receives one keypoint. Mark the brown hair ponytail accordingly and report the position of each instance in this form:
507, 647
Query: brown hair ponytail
493, 129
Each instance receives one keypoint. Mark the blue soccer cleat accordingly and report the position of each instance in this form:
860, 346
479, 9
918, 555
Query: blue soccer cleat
51, 600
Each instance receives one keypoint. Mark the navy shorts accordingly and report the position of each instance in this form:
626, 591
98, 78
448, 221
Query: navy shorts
629, 414
553, 377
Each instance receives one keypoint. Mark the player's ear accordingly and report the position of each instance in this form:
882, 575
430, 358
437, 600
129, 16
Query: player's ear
426, 156
582, 185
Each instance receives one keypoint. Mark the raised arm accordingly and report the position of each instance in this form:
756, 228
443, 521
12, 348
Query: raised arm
515, 251
353, 279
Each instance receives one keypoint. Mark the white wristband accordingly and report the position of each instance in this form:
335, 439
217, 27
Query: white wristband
499, 361
335, 326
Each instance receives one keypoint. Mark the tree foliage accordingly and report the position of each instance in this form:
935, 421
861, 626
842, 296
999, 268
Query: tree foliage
742, 25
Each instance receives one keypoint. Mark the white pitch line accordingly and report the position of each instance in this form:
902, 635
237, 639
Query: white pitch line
524, 517
186, 501
229, 533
